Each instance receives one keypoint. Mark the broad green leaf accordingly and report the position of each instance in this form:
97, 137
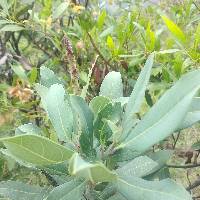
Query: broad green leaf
28, 129
84, 122
59, 10
11, 27
59, 110
138, 167
70, 190
36, 149
98, 103
137, 96
174, 29
165, 116
48, 77
95, 172
112, 86
17, 191
133, 188
6, 153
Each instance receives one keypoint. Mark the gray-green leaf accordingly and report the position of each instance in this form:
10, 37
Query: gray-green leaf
138, 189
15, 190
84, 121
28, 129
112, 86
48, 77
137, 96
166, 115
70, 190
59, 111
36, 149
193, 116
138, 167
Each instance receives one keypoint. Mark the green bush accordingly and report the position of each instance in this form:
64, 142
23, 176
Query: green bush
103, 150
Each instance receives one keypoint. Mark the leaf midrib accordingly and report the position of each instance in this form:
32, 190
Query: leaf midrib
155, 124
148, 190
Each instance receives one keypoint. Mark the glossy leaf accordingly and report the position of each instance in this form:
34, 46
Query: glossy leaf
95, 172
36, 149
112, 86
165, 116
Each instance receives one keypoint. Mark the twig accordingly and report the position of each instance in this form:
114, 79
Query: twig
184, 166
194, 185
176, 139
188, 179
98, 51
51, 180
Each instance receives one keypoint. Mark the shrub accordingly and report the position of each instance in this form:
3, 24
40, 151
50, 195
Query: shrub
102, 150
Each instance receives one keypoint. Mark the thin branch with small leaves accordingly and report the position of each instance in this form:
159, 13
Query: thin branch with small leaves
98, 51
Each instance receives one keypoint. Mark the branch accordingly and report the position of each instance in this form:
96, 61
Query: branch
98, 51
194, 185
51, 180
184, 166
